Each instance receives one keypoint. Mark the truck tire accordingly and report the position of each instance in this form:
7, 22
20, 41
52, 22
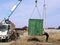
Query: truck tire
13, 37
6, 39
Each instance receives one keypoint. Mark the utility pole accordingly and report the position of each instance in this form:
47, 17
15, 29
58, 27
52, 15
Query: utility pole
44, 14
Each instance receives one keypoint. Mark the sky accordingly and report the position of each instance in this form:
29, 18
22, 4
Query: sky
24, 12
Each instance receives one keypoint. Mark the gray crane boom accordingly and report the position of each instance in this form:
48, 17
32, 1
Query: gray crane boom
14, 8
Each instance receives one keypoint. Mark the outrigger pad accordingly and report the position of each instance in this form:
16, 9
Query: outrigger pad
35, 27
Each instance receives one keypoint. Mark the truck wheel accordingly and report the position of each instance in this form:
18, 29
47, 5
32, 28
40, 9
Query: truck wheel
3, 40
6, 39
13, 37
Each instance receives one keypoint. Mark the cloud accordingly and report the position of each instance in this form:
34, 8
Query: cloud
52, 5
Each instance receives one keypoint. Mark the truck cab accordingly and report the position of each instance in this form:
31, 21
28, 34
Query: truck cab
5, 31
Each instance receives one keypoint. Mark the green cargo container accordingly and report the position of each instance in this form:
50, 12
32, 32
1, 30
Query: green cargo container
35, 27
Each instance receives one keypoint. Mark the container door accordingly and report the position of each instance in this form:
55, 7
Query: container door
35, 27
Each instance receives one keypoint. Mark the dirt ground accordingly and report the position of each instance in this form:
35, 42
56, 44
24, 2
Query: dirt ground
54, 39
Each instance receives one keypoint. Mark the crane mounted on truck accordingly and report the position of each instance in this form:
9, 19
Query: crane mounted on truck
7, 28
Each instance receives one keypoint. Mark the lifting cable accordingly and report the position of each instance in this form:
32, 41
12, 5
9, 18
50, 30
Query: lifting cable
36, 7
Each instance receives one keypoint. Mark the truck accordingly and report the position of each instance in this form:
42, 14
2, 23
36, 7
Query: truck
5, 32
7, 28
